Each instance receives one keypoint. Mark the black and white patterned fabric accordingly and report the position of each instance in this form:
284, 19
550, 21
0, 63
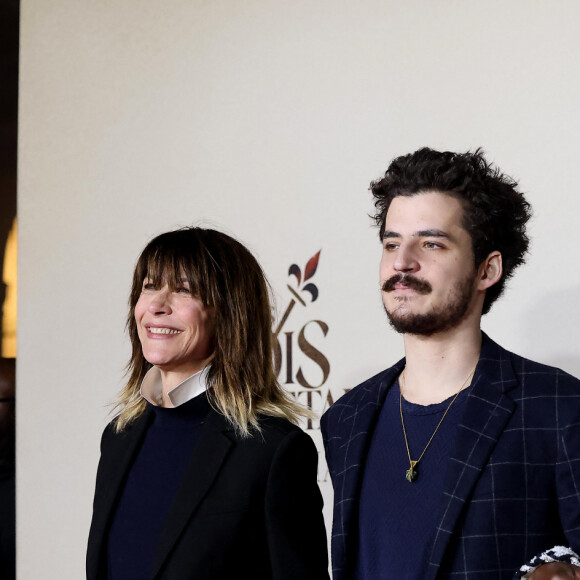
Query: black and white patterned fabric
512, 488
556, 554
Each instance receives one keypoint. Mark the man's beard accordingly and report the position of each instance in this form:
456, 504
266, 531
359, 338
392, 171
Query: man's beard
441, 318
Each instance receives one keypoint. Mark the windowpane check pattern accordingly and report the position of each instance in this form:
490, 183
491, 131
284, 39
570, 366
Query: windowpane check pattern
512, 487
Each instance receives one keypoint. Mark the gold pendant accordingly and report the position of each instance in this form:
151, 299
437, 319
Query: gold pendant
411, 474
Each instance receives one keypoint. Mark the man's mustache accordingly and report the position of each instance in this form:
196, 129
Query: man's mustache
421, 286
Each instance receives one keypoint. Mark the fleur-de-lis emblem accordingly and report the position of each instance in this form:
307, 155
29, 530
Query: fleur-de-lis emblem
309, 271
301, 288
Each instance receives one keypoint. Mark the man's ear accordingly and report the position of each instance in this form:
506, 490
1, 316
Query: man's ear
489, 271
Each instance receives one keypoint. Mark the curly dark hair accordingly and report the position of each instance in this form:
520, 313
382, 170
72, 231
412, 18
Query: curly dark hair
495, 212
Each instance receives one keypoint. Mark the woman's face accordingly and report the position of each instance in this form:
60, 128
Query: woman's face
174, 327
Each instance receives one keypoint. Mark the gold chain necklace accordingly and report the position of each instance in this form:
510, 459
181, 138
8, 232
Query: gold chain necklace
411, 473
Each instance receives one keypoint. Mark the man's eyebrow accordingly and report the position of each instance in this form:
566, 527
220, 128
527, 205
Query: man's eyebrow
433, 233
390, 234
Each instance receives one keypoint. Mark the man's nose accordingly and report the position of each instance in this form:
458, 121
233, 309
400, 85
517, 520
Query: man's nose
406, 259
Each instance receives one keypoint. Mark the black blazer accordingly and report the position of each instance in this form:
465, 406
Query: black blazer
246, 508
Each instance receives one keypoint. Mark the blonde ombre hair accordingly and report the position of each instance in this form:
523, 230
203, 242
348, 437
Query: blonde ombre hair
226, 277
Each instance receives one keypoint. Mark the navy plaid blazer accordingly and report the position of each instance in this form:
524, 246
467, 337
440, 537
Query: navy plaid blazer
512, 487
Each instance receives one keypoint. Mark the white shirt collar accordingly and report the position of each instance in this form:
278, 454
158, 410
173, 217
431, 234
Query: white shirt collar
152, 388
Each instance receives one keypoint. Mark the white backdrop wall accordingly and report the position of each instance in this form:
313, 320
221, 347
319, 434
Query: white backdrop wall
266, 119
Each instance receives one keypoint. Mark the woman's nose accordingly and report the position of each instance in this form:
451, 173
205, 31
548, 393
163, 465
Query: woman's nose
160, 302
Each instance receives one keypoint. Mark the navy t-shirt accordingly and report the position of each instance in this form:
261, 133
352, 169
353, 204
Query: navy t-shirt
151, 486
397, 518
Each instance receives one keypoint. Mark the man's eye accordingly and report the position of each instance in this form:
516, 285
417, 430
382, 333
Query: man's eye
389, 246
432, 245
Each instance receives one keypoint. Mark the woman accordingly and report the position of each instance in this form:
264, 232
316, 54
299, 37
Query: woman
203, 473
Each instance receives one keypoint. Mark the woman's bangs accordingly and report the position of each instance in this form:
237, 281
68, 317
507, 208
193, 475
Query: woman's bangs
173, 267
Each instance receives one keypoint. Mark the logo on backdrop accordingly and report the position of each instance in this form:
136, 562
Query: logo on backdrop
300, 360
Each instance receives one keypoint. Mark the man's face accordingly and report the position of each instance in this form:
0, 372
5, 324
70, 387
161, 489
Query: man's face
427, 272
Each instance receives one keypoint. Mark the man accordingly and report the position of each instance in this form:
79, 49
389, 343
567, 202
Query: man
462, 460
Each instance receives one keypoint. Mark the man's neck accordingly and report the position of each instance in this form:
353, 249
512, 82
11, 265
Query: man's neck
438, 366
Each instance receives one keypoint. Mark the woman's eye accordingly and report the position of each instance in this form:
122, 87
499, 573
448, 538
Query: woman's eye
183, 290
148, 286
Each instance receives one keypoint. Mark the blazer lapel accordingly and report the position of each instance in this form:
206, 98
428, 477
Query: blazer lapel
208, 456
357, 429
487, 410
112, 473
